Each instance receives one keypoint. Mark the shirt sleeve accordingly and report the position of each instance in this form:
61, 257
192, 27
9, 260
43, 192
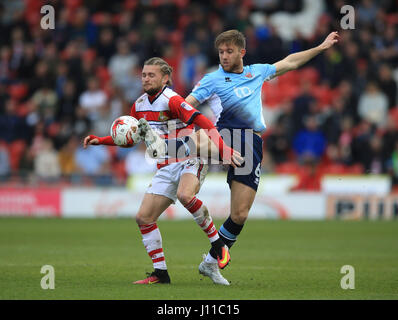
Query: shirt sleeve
267, 70
203, 90
182, 109
132, 111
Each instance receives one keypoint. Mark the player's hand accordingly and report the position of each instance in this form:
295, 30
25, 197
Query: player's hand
130, 141
330, 40
90, 140
236, 159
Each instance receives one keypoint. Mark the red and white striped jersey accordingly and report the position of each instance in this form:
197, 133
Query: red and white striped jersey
166, 112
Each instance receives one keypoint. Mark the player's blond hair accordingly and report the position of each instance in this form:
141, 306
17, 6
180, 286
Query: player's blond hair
231, 37
165, 68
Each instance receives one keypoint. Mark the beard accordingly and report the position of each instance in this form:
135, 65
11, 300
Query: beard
233, 68
152, 91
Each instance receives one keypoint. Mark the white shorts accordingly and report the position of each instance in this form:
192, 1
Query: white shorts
166, 180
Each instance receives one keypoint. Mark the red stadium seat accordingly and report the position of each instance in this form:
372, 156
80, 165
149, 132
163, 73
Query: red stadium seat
309, 74
130, 5
323, 94
98, 18
89, 55
271, 95
103, 75
393, 113
355, 169
289, 91
18, 91
288, 168
16, 149
333, 168
291, 78
72, 4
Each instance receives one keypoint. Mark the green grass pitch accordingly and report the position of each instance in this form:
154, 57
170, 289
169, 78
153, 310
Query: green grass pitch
273, 259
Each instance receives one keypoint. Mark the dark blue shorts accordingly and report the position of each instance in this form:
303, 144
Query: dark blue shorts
250, 145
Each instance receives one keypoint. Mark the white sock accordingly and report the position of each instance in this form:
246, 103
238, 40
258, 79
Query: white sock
201, 216
210, 259
152, 240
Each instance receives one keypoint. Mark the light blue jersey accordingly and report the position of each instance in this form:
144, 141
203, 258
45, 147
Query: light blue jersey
235, 98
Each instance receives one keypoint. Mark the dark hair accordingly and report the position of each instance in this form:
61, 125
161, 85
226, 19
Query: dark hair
164, 67
231, 37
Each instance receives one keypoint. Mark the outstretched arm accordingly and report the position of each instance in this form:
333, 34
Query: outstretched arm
94, 141
296, 60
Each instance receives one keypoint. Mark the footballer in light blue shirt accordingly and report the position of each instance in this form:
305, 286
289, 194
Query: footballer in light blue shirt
234, 94
235, 98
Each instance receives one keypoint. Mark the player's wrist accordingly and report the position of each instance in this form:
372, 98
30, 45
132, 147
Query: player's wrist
106, 140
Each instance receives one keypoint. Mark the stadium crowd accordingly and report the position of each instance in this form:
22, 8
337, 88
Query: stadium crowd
338, 114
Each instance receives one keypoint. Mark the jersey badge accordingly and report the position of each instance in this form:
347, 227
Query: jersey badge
162, 116
186, 106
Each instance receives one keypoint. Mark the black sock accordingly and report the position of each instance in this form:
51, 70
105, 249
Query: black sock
216, 246
228, 232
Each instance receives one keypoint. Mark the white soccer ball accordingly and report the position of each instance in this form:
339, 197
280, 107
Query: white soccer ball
120, 129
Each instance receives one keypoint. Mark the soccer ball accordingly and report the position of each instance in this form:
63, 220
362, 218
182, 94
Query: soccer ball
120, 129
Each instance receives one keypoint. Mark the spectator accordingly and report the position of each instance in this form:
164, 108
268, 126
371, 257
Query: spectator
68, 102
131, 84
46, 165
367, 12
12, 125
190, 64
4, 96
26, 67
61, 78
373, 105
66, 157
349, 98
106, 45
361, 142
374, 162
309, 144
122, 62
345, 141
42, 76
17, 38
138, 155
93, 161
388, 85
81, 124
393, 166
387, 46
5, 65
93, 100
334, 118
63, 61
45, 103
303, 105
277, 144
5, 169
148, 26
389, 138
82, 28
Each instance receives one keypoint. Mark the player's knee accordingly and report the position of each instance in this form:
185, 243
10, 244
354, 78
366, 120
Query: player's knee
184, 197
240, 216
141, 218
